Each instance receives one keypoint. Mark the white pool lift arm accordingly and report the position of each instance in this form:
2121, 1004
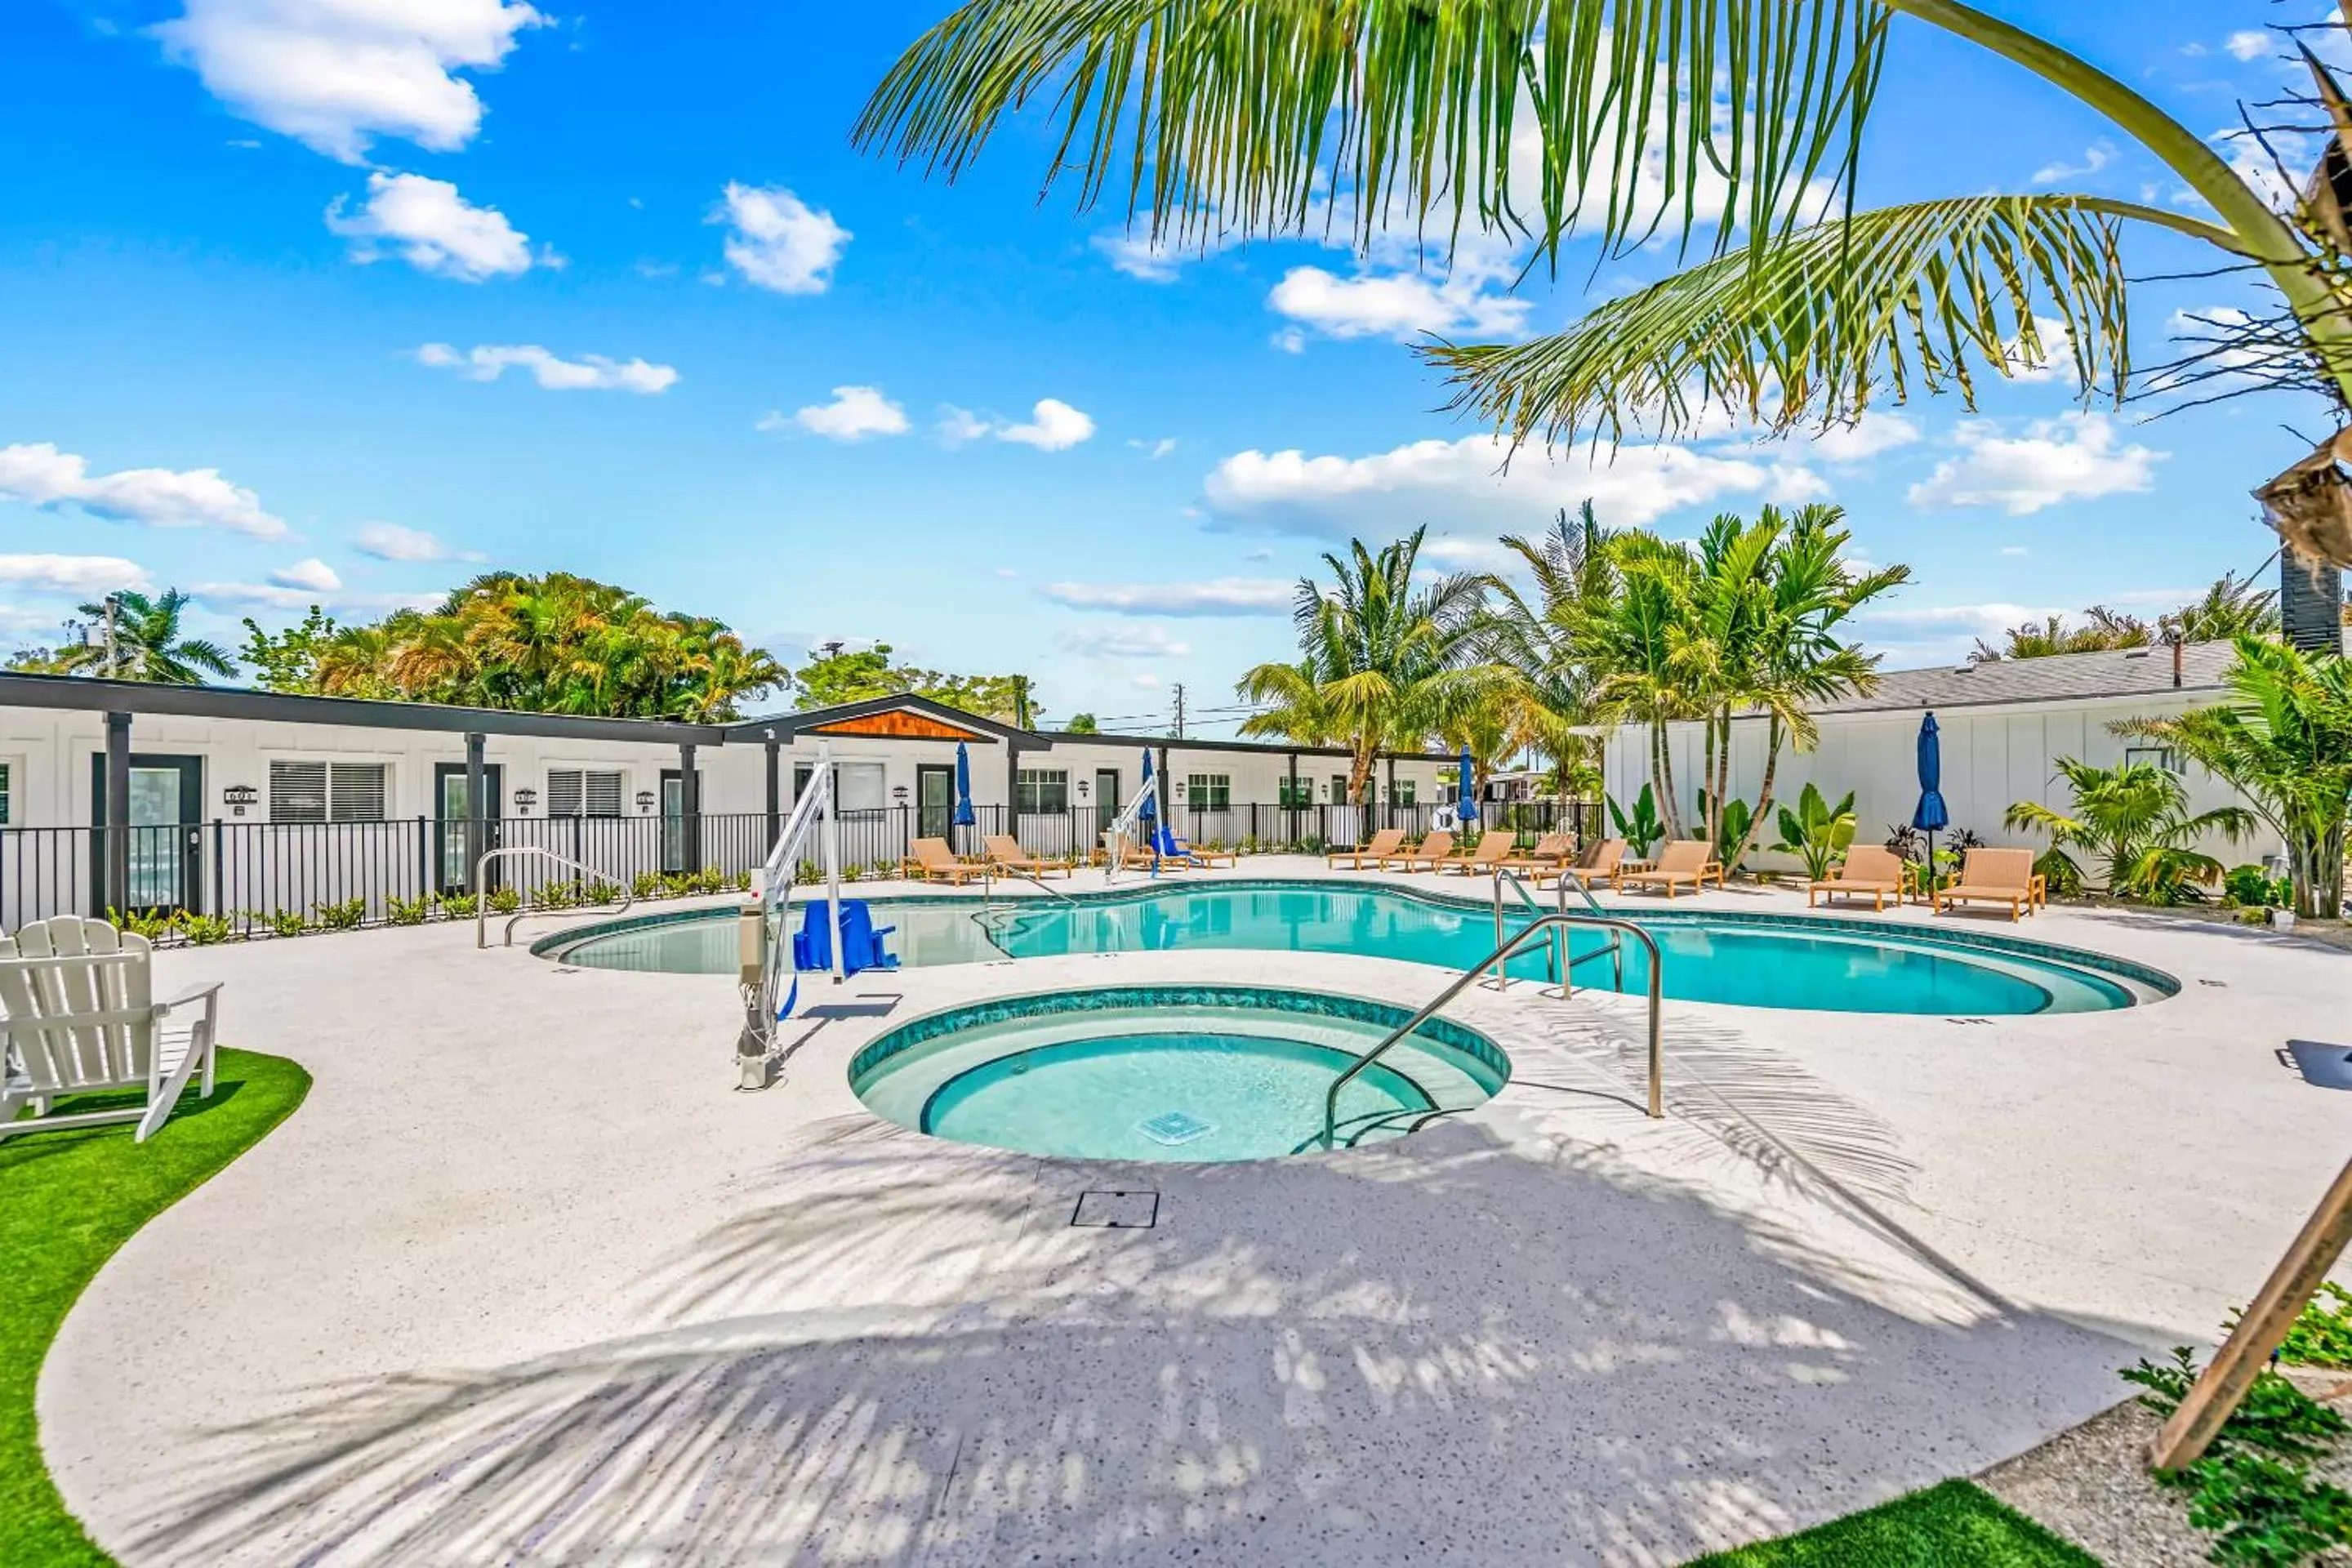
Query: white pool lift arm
1122, 827
761, 943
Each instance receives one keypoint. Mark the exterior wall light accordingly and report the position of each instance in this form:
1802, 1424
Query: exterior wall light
898, 794
237, 797
645, 800
1082, 789
524, 799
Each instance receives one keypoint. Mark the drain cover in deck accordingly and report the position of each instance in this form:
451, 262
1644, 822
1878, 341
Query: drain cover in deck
1174, 1127
1116, 1211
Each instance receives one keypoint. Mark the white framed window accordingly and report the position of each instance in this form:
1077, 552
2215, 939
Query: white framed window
856, 786
582, 792
327, 792
1037, 789
1403, 793
2162, 756
1210, 792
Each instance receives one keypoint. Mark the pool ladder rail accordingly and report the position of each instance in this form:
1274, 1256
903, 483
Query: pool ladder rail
482, 884
1555, 926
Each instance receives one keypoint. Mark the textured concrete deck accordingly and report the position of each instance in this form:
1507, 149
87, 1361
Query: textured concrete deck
525, 1279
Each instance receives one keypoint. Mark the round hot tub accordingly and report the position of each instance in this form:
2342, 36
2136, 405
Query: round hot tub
1167, 1072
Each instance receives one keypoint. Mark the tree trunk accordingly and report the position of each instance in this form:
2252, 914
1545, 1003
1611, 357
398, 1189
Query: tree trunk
1763, 792
1360, 771
1708, 803
1663, 769
2316, 864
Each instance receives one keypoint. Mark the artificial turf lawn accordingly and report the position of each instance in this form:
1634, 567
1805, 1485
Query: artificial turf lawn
1954, 1525
67, 1199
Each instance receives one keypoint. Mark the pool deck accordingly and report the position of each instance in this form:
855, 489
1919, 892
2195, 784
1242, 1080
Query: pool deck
526, 1279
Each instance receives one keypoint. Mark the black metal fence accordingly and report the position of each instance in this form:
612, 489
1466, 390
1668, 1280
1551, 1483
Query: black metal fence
258, 876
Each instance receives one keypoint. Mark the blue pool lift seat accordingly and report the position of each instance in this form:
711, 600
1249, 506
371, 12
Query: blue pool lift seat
861, 940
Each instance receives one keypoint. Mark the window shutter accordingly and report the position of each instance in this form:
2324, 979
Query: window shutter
357, 792
604, 794
564, 792
298, 792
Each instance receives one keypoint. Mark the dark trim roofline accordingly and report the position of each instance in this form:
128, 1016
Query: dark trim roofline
86, 694
782, 727
89, 695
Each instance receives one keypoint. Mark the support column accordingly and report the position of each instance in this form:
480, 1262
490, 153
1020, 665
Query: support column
775, 795
1291, 814
477, 811
1167, 793
689, 807
1012, 787
1390, 793
117, 879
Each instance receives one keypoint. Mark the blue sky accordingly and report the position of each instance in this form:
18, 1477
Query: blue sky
296, 308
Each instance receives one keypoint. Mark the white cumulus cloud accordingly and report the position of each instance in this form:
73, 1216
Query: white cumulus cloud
1865, 438
313, 574
432, 228
1398, 304
855, 413
71, 573
778, 241
1053, 426
488, 361
2076, 457
334, 74
1124, 642
37, 474
2095, 157
1338, 497
390, 542
2246, 44
1216, 596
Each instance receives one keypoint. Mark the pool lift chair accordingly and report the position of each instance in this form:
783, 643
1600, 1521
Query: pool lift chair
762, 951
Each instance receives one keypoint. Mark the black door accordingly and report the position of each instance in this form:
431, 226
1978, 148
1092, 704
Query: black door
935, 803
164, 845
449, 827
1106, 801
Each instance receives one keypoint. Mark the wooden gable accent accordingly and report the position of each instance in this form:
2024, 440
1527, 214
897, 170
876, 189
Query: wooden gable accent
898, 724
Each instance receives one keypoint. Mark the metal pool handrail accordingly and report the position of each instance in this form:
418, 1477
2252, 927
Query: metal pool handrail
1502, 954
482, 886
1563, 966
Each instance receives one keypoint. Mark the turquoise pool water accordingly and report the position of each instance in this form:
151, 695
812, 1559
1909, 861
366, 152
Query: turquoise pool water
1169, 1073
1838, 965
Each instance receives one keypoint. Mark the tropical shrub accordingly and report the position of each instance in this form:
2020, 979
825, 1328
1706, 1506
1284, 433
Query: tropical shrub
600, 890
205, 930
461, 906
2250, 884
283, 922
347, 915
1815, 832
647, 885
2134, 818
1642, 829
562, 895
2253, 1488
742, 881
152, 924
413, 912
505, 900
2284, 742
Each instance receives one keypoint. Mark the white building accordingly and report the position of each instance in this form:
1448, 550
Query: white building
238, 800
2003, 724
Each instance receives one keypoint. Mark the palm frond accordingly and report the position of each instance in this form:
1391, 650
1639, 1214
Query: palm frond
1811, 327
1246, 117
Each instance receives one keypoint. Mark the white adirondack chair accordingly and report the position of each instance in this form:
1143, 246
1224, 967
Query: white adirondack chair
77, 1017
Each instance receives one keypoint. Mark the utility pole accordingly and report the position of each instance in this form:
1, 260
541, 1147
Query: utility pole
113, 602
1179, 689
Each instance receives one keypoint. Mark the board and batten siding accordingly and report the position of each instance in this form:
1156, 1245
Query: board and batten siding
1992, 756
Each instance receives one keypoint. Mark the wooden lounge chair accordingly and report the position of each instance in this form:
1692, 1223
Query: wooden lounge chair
1551, 852
1492, 851
78, 1016
1684, 861
1994, 877
1870, 870
929, 858
1205, 858
1599, 863
1005, 850
1431, 851
1384, 843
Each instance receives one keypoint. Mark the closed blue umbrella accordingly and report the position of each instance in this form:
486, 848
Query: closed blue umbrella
1465, 804
962, 815
1930, 813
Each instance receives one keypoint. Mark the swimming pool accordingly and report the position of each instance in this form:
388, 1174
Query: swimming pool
1847, 965
1165, 1072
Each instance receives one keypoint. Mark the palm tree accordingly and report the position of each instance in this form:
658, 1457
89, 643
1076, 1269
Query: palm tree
1575, 579
2101, 629
2134, 818
147, 644
2285, 744
1551, 119
1378, 659
2231, 608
